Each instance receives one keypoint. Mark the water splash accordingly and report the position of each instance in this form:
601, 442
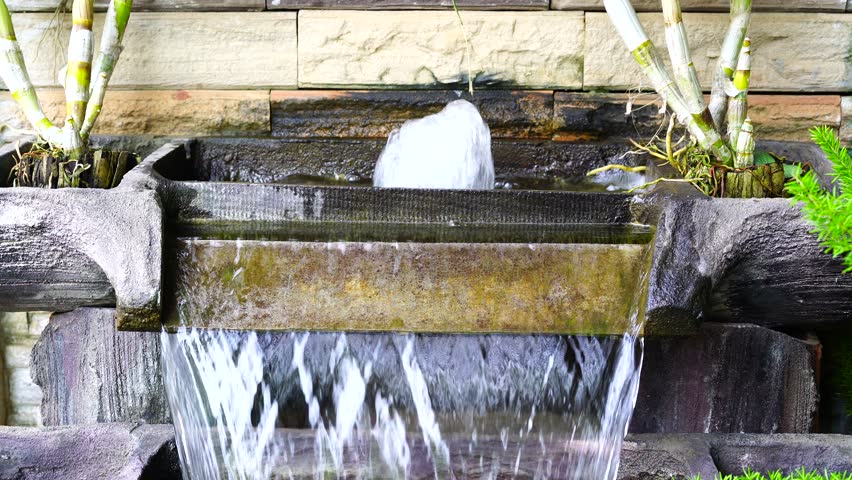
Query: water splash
450, 149
214, 381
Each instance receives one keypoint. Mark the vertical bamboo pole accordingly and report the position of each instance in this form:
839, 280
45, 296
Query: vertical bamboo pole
745, 146
79, 70
627, 23
13, 70
728, 57
684, 70
738, 102
116, 22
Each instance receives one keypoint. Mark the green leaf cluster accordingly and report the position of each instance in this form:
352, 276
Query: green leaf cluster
800, 474
829, 211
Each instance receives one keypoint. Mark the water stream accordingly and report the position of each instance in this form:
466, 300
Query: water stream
257, 405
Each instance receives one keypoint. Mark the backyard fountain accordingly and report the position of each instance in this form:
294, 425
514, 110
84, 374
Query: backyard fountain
373, 405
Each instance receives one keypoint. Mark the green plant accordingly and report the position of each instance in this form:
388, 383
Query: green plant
800, 474
829, 211
721, 126
83, 95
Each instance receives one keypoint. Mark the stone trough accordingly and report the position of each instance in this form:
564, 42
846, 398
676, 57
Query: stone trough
744, 260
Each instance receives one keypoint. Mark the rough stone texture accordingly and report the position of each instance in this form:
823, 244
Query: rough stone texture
733, 453
143, 5
666, 457
18, 334
785, 50
90, 373
373, 114
178, 50
427, 49
712, 5
101, 243
749, 261
114, 451
846, 124
593, 116
162, 112
407, 4
696, 384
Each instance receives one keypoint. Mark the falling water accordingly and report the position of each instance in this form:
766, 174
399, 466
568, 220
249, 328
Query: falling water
317, 405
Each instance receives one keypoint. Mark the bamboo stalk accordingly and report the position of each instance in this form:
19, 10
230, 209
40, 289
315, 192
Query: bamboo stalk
116, 22
13, 70
745, 146
79, 71
738, 103
728, 58
684, 69
627, 23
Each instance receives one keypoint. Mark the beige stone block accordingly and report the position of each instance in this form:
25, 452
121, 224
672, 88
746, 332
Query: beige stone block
18, 356
790, 52
161, 112
26, 416
143, 5
427, 49
22, 390
713, 5
177, 50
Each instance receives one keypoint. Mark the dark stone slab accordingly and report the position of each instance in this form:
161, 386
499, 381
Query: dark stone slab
90, 373
114, 451
277, 161
666, 457
374, 114
596, 116
746, 261
733, 453
728, 378
408, 4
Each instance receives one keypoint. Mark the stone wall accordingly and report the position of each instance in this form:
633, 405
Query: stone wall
241, 67
20, 398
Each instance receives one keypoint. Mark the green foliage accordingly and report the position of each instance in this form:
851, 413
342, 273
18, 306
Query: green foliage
800, 474
830, 212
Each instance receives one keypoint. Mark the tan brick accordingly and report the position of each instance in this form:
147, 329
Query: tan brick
846, 123
22, 390
380, 49
163, 112
805, 52
178, 50
25, 416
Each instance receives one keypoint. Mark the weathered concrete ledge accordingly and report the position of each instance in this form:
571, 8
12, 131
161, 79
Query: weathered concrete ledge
128, 452
713, 5
114, 451
66, 248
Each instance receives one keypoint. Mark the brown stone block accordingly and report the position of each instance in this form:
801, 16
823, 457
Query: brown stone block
698, 384
373, 114
584, 116
162, 112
